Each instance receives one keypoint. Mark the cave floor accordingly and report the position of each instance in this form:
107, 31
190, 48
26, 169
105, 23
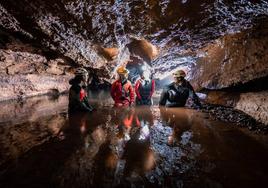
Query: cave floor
42, 146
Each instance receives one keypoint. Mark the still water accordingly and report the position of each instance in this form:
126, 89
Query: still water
42, 146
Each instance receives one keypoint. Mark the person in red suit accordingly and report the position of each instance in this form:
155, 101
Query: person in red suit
122, 91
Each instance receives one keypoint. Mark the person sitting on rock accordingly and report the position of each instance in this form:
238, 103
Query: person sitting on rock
122, 91
144, 88
78, 100
177, 93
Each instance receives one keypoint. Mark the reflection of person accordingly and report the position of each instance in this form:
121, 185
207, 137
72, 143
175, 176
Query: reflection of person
91, 137
135, 122
122, 91
77, 124
144, 116
139, 156
78, 100
178, 119
177, 93
105, 163
144, 89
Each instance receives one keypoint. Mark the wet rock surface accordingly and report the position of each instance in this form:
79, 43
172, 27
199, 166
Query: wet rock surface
27, 71
147, 147
233, 59
222, 43
235, 67
22, 86
235, 116
77, 28
253, 104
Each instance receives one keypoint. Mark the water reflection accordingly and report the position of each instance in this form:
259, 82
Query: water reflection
149, 147
181, 122
138, 154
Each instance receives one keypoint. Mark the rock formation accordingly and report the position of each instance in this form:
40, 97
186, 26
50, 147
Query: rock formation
236, 66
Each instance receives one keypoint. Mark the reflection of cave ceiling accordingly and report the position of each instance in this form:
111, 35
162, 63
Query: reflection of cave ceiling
77, 28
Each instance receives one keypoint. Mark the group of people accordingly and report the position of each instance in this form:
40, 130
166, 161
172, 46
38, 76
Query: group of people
123, 93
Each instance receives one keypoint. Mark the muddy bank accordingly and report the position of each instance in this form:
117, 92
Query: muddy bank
253, 104
236, 117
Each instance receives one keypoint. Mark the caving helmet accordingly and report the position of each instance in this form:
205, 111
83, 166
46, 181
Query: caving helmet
122, 70
179, 73
81, 71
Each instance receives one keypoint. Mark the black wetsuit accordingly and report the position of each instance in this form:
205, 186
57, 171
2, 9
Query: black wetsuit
176, 96
144, 92
78, 100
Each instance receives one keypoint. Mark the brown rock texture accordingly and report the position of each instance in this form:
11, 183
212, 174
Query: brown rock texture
76, 28
223, 98
143, 49
233, 59
26, 71
21, 86
235, 67
254, 104
41, 42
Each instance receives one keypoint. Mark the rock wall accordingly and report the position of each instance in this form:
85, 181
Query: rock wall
78, 28
254, 104
234, 71
233, 59
26, 71
22, 86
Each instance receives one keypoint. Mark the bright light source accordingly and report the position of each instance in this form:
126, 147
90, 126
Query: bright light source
144, 132
144, 67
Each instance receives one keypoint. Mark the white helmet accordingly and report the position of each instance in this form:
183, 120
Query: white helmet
81, 71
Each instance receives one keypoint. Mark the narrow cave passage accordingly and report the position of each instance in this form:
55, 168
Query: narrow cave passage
175, 93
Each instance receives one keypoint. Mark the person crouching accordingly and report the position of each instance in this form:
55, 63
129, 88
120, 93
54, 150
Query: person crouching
177, 93
78, 100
